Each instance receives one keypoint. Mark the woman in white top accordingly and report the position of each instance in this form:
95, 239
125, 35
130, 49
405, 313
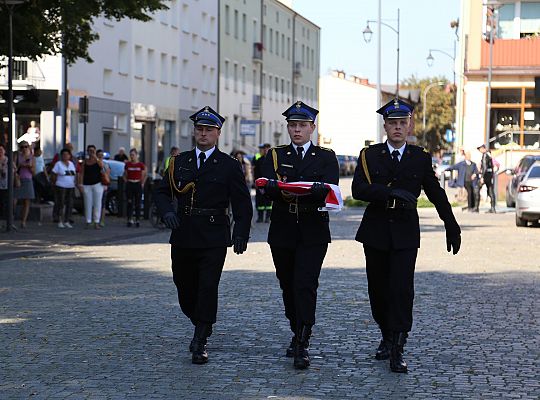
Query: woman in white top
63, 177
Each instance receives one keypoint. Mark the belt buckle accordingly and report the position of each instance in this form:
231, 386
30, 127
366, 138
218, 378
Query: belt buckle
293, 208
391, 204
187, 210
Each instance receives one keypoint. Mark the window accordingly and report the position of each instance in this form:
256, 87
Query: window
282, 45
235, 77
174, 13
194, 43
277, 43
282, 89
163, 17
139, 62
254, 80
205, 30
312, 59
123, 58
227, 20
307, 33
236, 24
263, 82
174, 70
243, 79
303, 55
194, 98
255, 31
277, 17
244, 27
107, 81
530, 19
269, 86
307, 57
276, 87
288, 48
185, 73
164, 69
185, 128
226, 73
212, 30
212, 80
205, 82
506, 21
185, 18
271, 41
506, 95
151, 74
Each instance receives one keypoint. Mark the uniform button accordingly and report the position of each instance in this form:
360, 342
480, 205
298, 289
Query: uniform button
390, 220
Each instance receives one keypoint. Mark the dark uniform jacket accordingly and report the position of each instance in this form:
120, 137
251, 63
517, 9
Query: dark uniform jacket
219, 181
307, 226
384, 228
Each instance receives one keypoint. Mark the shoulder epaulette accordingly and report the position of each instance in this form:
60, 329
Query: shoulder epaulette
326, 148
281, 146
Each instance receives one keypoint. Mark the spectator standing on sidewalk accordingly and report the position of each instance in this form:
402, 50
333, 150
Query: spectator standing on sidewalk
91, 187
105, 182
134, 176
41, 179
55, 159
467, 178
487, 173
121, 156
26, 167
63, 178
3, 182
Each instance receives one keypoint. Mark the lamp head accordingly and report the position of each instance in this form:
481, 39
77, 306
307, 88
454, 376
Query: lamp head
367, 33
430, 59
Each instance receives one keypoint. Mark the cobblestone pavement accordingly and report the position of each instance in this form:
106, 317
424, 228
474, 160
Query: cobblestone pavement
102, 322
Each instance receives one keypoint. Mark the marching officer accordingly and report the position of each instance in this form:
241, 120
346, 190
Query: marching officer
487, 171
262, 203
299, 234
203, 181
390, 177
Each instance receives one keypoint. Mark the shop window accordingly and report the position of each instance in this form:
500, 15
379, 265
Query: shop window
505, 96
530, 97
531, 127
505, 127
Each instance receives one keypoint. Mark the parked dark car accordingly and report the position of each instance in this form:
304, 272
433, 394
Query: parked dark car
518, 174
112, 199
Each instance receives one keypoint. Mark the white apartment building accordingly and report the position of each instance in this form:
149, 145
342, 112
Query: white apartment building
145, 81
340, 95
263, 70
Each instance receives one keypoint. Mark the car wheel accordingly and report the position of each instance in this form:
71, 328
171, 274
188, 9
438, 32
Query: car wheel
520, 221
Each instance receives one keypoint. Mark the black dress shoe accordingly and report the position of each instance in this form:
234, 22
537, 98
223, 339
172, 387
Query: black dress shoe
301, 355
199, 355
397, 364
383, 352
290, 350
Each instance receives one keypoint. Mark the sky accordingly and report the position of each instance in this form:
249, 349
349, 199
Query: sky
424, 24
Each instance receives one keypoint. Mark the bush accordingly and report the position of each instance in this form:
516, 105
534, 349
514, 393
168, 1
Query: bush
422, 203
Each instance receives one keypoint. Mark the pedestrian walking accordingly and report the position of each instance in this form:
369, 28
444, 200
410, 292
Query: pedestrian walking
390, 177
121, 155
91, 187
262, 203
64, 179
134, 176
204, 181
105, 182
487, 173
26, 167
299, 234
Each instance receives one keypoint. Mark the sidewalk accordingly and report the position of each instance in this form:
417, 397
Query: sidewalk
38, 238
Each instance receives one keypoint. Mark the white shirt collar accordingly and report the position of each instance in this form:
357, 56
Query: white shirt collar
207, 153
305, 146
401, 149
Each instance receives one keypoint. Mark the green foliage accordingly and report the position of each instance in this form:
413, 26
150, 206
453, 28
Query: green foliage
440, 112
423, 202
48, 27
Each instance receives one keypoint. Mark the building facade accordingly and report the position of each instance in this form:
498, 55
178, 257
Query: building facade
268, 58
512, 118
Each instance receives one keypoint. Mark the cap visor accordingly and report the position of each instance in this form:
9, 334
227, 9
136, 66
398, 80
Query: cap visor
396, 115
204, 122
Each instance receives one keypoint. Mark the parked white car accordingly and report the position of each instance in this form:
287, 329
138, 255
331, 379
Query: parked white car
528, 197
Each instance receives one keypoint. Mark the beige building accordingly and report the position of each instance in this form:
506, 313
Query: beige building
263, 68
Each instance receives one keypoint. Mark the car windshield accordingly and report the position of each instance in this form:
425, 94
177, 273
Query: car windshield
534, 172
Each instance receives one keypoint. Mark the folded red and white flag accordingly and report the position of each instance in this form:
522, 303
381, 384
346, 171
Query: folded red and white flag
333, 200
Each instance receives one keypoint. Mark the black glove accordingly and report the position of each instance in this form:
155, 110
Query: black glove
171, 221
403, 194
453, 243
272, 190
239, 245
319, 190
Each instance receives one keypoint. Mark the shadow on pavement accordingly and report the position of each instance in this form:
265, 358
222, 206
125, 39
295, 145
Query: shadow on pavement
89, 327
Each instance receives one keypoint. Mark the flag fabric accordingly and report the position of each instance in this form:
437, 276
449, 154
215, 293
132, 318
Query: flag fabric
333, 200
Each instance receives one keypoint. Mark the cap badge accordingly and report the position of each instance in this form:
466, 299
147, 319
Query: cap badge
298, 104
396, 104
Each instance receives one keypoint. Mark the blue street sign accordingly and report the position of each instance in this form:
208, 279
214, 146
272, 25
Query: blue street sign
449, 136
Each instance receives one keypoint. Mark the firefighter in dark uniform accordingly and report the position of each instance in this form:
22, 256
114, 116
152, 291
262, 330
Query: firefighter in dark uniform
203, 181
487, 172
390, 177
299, 234
262, 203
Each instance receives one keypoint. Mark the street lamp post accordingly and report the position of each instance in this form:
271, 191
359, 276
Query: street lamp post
368, 33
10, 5
430, 59
424, 98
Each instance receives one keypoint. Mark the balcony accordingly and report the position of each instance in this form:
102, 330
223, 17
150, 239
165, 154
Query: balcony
25, 73
513, 53
257, 52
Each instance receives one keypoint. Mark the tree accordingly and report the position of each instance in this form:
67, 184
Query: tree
48, 27
439, 112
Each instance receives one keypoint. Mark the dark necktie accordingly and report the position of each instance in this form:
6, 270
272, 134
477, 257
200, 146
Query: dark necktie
395, 158
300, 150
202, 157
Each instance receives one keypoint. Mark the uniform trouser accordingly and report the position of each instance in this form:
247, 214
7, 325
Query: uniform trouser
262, 203
390, 275
133, 194
196, 274
488, 181
298, 271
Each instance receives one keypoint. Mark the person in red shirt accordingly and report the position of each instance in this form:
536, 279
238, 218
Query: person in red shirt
134, 176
